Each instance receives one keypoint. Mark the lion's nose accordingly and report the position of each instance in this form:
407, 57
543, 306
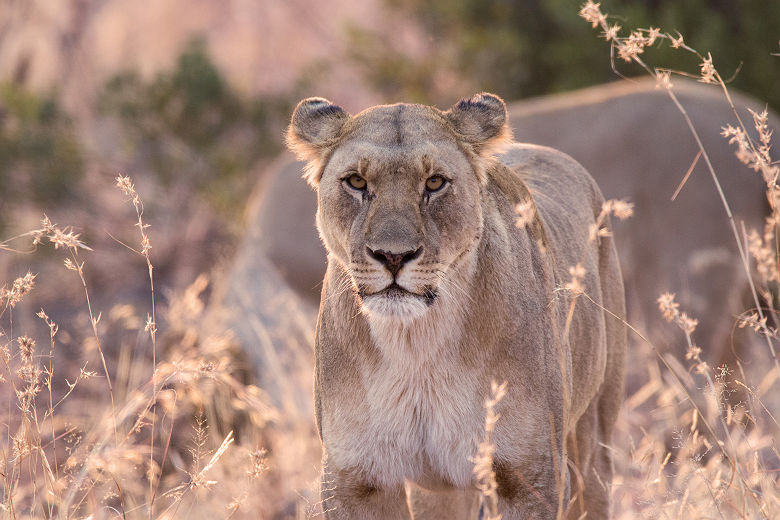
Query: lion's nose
394, 261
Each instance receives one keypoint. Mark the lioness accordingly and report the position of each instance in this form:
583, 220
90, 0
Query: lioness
432, 291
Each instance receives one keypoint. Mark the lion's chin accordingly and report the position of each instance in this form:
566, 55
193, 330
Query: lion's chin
395, 303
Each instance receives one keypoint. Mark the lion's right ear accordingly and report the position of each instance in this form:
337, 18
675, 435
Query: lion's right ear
481, 121
315, 127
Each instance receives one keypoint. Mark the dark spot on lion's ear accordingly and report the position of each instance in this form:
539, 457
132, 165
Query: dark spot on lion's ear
481, 103
328, 109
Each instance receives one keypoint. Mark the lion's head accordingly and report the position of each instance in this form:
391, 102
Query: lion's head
399, 193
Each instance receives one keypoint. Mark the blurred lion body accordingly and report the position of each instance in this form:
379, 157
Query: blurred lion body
405, 351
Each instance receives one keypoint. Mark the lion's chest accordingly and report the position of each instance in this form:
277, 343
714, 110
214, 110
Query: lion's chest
422, 415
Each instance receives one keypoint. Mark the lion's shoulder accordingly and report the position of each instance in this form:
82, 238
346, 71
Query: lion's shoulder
558, 184
547, 167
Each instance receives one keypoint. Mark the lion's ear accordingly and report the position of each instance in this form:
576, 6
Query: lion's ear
314, 128
481, 121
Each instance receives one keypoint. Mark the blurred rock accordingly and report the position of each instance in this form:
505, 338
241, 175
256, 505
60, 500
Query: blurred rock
257, 303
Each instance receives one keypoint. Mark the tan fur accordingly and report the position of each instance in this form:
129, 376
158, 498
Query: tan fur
402, 374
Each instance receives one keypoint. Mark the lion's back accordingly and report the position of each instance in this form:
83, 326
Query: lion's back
566, 197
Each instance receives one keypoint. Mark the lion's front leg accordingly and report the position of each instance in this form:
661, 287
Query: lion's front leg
346, 494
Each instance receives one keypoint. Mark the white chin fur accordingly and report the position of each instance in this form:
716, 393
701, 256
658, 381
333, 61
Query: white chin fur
405, 308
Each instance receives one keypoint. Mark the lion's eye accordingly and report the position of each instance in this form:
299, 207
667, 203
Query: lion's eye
435, 183
356, 182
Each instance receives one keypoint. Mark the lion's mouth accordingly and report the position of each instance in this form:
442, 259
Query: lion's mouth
396, 292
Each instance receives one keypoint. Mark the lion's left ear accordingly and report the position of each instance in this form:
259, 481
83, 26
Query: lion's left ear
481, 121
315, 127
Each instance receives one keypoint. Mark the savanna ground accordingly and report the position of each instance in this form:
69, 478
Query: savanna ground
120, 402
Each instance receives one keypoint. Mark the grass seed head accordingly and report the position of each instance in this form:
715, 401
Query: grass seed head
18, 290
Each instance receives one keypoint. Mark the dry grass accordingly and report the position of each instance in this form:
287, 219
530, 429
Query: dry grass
179, 432
702, 442
140, 443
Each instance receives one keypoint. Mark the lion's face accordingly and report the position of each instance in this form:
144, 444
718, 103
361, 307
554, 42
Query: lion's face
398, 205
399, 199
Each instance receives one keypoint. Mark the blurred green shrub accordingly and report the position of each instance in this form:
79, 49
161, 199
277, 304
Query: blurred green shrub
40, 158
521, 48
193, 131
389, 70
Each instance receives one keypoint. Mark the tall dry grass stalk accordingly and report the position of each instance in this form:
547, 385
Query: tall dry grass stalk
484, 475
126, 186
